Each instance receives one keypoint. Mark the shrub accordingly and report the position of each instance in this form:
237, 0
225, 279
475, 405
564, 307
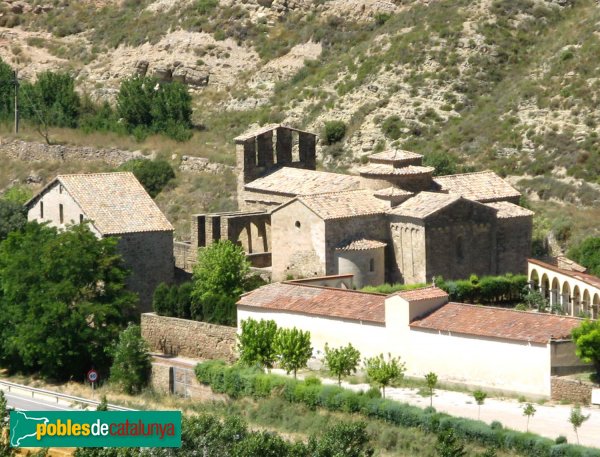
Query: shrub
334, 131
131, 366
154, 175
392, 127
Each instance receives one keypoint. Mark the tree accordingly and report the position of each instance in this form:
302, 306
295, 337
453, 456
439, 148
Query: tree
220, 277
13, 217
577, 419
131, 366
18, 194
62, 300
334, 131
256, 341
448, 445
431, 379
529, 411
382, 373
154, 175
342, 361
5, 449
134, 101
342, 439
588, 254
293, 349
51, 101
443, 162
7, 91
479, 396
587, 343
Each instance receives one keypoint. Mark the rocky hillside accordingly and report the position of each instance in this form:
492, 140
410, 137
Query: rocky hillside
510, 85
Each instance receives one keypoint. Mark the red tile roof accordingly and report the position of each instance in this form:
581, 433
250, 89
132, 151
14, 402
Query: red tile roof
493, 322
424, 293
362, 244
319, 301
592, 280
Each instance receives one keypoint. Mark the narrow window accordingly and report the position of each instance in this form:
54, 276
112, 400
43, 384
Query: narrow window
81, 218
372, 265
60, 188
297, 224
459, 248
61, 213
41, 210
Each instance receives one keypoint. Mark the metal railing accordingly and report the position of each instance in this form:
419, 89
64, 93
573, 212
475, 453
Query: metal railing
11, 386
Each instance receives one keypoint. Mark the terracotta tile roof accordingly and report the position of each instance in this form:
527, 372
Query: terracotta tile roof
392, 192
339, 205
424, 204
424, 293
395, 156
296, 181
360, 245
386, 170
483, 186
116, 203
319, 301
592, 280
493, 322
264, 129
507, 210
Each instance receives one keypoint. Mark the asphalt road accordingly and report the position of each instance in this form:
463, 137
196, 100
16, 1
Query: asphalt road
24, 402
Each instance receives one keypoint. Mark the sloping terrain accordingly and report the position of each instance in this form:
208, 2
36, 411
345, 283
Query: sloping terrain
508, 85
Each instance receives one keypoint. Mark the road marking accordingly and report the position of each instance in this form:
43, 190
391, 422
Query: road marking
26, 400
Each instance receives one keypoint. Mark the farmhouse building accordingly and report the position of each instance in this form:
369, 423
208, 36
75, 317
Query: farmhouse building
115, 204
484, 346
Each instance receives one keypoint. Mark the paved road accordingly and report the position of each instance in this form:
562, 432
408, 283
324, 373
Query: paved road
24, 402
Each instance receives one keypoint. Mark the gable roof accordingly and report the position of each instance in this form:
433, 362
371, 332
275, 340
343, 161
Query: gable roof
483, 186
297, 181
339, 205
424, 204
587, 278
319, 301
115, 203
507, 210
422, 293
493, 322
388, 170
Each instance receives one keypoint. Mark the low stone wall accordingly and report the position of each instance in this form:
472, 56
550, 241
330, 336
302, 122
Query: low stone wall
187, 338
571, 390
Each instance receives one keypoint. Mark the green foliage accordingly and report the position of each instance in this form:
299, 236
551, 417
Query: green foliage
587, 343
206, 6
174, 301
334, 131
392, 127
443, 162
131, 365
535, 299
62, 300
103, 406
148, 106
342, 361
343, 439
154, 175
486, 290
13, 217
431, 379
479, 396
17, 194
7, 91
293, 349
382, 373
576, 419
587, 253
5, 449
256, 343
529, 411
449, 445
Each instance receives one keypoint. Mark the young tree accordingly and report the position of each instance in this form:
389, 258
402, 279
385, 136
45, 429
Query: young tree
431, 379
17, 194
255, 343
587, 343
342, 361
448, 445
529, 411
577, 418
63, 300
382, 373
103, 406
131, 366
154, 175
479, 396
342, 439
293, 349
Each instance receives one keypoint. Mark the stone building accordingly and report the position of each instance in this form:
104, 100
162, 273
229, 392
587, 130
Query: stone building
115, 204
392, 220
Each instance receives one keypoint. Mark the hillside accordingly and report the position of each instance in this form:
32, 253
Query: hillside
508, 85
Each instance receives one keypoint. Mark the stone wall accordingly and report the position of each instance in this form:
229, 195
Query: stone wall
571, 390
31, 151
187, 338
513, 244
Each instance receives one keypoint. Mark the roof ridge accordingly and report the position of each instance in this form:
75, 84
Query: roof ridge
314, 286
96, 174
468, 173
512, 310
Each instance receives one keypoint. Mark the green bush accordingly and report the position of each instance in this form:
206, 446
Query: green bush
392, 127
237, 381
334, 131
173, 301
154, 175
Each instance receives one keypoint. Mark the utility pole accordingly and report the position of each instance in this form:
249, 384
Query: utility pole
16, 103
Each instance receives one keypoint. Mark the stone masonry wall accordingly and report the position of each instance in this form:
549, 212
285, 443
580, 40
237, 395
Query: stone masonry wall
571, 390
187, 338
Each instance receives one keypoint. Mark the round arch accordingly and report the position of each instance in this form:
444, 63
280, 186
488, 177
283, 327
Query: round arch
534, 280
586, 303
545, 286
566, 298
555, 292
595, 306
576, 300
